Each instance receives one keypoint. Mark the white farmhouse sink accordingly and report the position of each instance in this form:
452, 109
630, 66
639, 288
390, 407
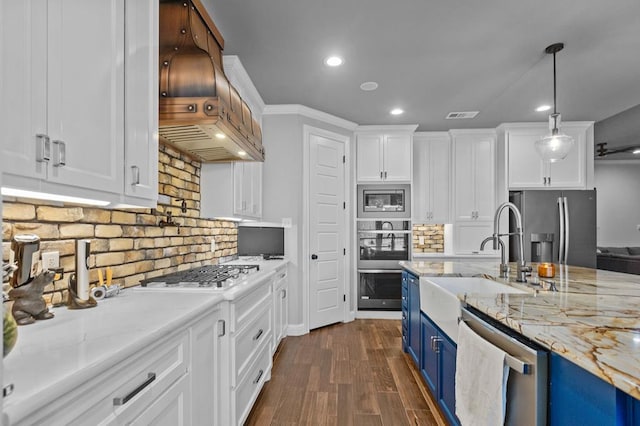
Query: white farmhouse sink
439, 300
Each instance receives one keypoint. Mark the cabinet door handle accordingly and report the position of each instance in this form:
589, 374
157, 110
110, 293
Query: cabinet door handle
544, 181
380, 175
436, 344
284, 293
257, 336
385, 175
282, 276
62, 154
121, 401
549, 180
260, 373
135, 172
222, 325
44, 148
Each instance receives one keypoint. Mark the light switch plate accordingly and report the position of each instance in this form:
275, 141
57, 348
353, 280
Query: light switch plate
213, 245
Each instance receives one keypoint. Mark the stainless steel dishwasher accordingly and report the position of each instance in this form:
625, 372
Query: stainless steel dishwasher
527, 384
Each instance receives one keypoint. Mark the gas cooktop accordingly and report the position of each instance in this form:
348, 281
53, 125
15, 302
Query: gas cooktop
210, 276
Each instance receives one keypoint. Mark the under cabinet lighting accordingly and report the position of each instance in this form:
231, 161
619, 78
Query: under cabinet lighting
13, 192
242, 153
221, 135
543, 108
397, 111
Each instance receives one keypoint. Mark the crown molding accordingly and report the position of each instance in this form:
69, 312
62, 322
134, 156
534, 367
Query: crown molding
297, 109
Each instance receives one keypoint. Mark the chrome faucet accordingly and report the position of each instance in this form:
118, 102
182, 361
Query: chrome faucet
504, 266
521, 266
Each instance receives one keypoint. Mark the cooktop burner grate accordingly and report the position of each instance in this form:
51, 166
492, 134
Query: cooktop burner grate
205, 276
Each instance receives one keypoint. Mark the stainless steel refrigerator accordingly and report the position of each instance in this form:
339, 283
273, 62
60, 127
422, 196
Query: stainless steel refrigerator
559, 226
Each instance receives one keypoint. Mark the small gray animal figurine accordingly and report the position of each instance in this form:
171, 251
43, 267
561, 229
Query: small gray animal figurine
28, 305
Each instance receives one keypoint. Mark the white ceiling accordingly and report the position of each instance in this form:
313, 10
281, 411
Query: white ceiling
431, 57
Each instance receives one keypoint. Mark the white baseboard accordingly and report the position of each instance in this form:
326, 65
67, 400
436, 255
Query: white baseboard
296, 330
379, 315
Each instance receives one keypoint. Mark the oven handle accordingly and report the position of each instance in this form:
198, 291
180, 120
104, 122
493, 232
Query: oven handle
378, 271
383, 231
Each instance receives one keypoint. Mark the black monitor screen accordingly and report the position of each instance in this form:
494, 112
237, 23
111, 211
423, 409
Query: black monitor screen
260, 241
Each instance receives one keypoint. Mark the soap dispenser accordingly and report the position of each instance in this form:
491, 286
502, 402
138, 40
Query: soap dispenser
79, 297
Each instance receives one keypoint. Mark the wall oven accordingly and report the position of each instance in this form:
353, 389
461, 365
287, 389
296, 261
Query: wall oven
384, 201
382, 244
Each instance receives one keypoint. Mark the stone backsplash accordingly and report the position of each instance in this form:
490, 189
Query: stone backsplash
433, 238
130, 242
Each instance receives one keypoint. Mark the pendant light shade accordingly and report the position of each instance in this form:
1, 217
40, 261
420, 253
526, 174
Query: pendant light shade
556, 145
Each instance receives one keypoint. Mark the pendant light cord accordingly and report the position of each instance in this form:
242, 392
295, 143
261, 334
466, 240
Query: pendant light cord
554, 83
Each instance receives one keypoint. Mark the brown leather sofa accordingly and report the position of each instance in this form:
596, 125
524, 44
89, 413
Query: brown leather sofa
619, 259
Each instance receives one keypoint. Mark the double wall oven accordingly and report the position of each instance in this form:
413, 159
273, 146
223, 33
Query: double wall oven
384, 239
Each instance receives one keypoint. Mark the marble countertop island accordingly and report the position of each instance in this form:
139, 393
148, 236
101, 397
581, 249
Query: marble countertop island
593, 319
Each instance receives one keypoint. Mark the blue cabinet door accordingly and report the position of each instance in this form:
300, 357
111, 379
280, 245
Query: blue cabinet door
414, 319
429, 358
447, 396
405, 311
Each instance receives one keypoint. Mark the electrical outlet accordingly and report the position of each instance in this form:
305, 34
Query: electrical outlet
50, 260
421, 240
213, 245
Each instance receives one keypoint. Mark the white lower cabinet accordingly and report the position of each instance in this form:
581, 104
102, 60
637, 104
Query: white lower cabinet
280, 306
169, 409
250, 345
129, 391
209, 356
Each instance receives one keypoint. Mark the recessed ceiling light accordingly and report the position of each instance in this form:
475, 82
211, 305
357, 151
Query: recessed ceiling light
333, 61
543, 108
636, 151
368, 86
396, 111
220, 135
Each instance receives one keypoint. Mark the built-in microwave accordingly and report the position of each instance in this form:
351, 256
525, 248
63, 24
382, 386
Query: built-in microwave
384, 201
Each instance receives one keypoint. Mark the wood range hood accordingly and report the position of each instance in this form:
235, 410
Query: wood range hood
200, 112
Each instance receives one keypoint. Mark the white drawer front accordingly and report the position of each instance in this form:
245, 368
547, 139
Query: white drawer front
244, 308
247, 391
167, 362
249, 340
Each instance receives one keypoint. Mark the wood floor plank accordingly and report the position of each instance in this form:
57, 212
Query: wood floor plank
347, 374
392, 411
407, 387
367, 420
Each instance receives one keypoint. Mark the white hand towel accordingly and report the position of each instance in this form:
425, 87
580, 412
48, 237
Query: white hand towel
481, 380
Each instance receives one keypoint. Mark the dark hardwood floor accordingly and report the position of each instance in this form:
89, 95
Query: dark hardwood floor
345, 374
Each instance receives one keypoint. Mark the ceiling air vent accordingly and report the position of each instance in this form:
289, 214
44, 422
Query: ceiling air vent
461, 114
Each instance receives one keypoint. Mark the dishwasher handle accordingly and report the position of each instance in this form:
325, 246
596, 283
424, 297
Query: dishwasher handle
514, 363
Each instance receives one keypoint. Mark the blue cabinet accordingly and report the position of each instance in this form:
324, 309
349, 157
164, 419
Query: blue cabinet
411, 315
577, 397
438, 366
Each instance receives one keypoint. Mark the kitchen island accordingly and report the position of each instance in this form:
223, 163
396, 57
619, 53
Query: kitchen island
592, 321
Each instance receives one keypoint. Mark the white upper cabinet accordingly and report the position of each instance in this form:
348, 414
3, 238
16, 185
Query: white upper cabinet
384, 153
231, 190
431, 176
64, 111
525, 168
474, 174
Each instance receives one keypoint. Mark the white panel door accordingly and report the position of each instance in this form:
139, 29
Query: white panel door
327, 239
484, 178
464, 180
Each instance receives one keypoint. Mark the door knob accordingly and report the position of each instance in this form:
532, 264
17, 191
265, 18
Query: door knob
314, 256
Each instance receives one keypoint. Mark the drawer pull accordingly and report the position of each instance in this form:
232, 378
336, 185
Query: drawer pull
282, 276
121, 401
257, 336
260, 373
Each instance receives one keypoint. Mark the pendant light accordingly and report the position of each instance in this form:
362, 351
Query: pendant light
556, 145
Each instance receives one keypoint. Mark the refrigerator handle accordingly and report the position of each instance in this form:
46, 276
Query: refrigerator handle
561, 236
566, 230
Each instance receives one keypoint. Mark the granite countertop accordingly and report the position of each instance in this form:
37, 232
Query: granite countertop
592, 320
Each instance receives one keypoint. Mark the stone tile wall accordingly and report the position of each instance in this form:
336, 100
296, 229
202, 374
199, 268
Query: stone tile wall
129, 241
433, 238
